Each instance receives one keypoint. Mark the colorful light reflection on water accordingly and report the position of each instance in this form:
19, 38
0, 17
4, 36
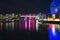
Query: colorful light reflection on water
52, 36
27, 24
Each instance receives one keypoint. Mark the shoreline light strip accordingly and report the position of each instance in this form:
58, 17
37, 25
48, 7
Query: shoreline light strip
27, 16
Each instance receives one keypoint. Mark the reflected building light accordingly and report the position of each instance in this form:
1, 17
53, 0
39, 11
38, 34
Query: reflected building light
53, 29
29, 23
1, 23
33, 24
25, 23
12, 22
7, 24
12, 25
36, 25
37, 18
50, 26
50, 33
59, 27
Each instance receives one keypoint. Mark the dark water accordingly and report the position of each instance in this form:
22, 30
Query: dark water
24, 35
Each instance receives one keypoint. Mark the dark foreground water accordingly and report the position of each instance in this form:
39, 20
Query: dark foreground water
23, 35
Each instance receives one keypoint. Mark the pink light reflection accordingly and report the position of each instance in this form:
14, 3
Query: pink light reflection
31, 24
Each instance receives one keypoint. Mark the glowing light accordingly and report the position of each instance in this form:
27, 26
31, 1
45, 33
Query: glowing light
36, 25
53, 15
53, 29
51, 32
22, 24
25, 24
55, 6
57, 20
50, 26
50, 19
29, 24
33, 24
12, 25
27, 16
56, 10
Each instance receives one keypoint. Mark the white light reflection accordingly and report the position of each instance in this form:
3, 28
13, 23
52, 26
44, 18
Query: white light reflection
25, 23
53, 29
36, 25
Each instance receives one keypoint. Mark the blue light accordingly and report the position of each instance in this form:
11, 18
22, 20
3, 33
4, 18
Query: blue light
54, 8
53, 37
55, 5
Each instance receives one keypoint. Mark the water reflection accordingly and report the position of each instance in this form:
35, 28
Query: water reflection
1, 24
54, 32
18, 25
27, 24
8, 25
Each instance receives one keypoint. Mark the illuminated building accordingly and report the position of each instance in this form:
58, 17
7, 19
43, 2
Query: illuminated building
40, 26
53, 16
37, 18
50, 19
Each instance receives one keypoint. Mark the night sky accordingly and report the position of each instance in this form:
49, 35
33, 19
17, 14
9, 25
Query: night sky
33, 6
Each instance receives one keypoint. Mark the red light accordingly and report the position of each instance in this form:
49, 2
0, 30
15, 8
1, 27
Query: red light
50, 25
